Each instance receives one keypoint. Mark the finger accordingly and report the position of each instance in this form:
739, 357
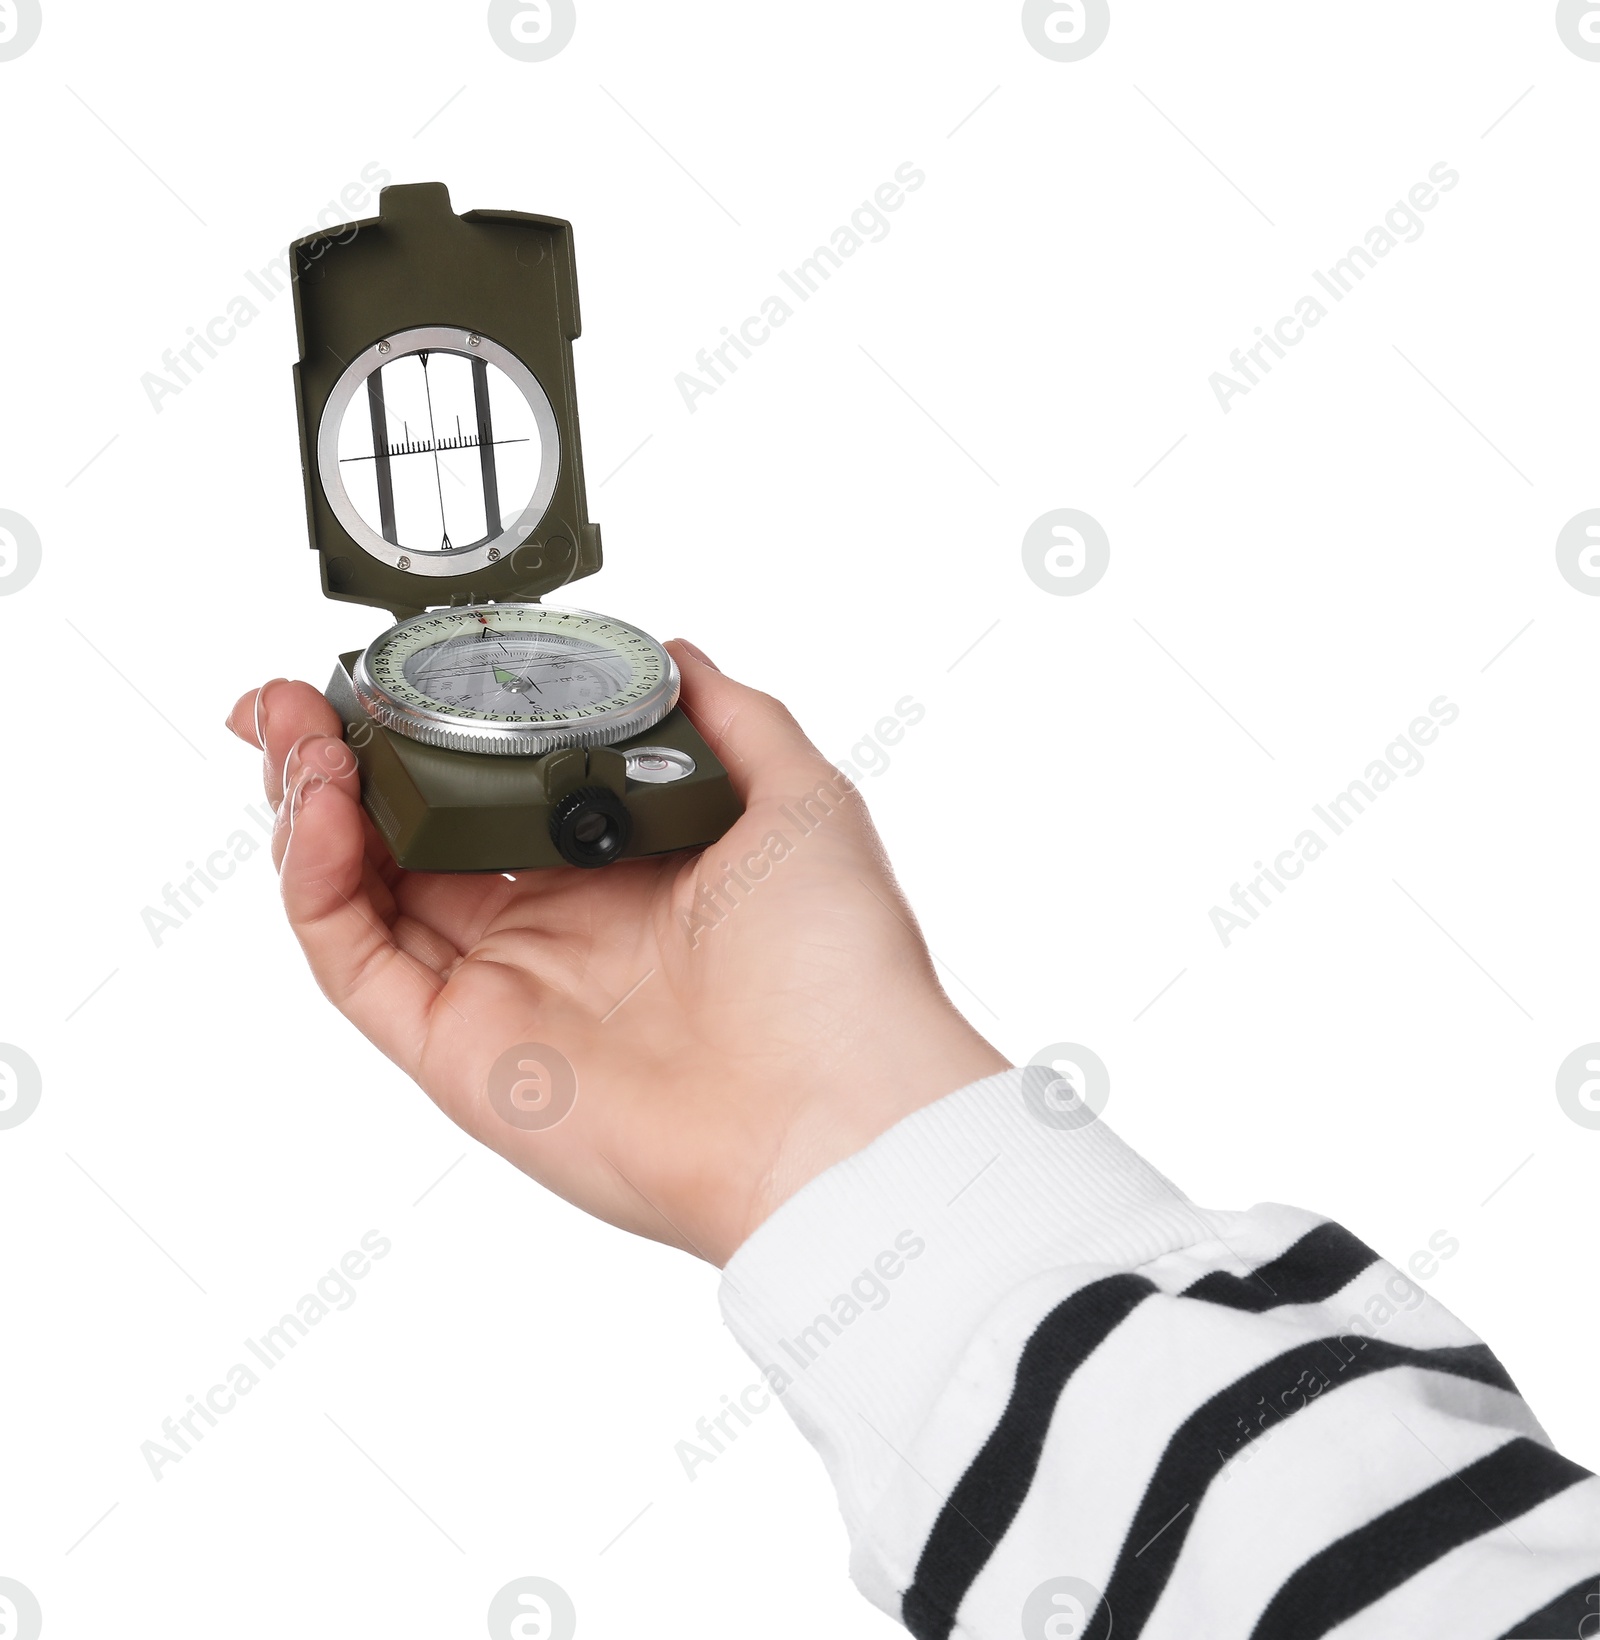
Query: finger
280, 714
243, 719
286, 713
698, 653
328, 886
314, 760
440, 914
755, 736
318, 760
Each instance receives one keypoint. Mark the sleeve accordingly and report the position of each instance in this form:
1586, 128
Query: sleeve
1058, 1399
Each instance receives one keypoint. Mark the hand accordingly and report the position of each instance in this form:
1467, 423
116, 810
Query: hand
729, 1042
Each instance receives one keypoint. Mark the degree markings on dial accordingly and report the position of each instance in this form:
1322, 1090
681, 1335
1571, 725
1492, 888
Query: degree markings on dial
608, 643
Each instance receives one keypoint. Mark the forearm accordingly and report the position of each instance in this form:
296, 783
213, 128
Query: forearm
1026, 1359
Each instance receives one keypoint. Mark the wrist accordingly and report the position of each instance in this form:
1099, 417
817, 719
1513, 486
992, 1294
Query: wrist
888, 1076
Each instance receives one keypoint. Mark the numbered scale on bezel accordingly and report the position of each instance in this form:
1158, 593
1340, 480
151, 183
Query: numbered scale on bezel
516, 679
444, 482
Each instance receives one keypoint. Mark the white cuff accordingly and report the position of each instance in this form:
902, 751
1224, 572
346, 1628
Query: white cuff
865, 1288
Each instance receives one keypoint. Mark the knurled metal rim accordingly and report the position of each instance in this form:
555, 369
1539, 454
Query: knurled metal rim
513, 739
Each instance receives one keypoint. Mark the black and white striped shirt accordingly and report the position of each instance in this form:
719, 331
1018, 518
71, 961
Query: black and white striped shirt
1057, 1399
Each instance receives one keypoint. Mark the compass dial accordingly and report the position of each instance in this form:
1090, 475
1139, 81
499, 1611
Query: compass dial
516, 679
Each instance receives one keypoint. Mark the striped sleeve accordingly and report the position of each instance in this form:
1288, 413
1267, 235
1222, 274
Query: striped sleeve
1057, 1399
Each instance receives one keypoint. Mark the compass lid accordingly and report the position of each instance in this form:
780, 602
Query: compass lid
438, 414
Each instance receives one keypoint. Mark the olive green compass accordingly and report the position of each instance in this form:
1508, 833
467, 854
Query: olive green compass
444, 483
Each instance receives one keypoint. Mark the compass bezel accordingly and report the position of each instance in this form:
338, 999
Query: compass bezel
463, 733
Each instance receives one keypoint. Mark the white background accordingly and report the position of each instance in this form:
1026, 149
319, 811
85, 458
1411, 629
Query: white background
840, 524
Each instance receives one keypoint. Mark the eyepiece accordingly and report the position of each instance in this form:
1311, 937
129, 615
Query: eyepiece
591, 827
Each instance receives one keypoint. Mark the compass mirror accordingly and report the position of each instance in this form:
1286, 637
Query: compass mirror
438, 451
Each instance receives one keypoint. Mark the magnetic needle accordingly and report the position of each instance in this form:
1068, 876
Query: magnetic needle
444, 482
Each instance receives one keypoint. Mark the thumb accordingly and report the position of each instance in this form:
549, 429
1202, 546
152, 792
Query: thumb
756, 737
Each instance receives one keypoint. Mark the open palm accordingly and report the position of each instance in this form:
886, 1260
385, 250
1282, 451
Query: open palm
675, 1044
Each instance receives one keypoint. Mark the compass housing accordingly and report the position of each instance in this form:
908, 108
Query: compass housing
443, 468
494, 286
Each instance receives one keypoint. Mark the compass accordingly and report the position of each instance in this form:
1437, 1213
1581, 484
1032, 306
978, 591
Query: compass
444, 483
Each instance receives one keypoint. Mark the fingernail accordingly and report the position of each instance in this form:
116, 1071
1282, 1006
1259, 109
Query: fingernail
329, 757
261, 708
699, 654
309, 780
